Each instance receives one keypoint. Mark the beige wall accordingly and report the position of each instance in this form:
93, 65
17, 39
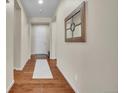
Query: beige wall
90, 67
9, 43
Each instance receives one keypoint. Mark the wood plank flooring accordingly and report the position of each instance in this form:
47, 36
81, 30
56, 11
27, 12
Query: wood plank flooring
25, 84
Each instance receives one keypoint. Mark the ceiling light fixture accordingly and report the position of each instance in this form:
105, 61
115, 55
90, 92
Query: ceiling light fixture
40, 1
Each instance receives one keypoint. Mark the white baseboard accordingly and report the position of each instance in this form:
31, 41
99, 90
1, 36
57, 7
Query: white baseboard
10, 86
70, 83
21, 68
52, 57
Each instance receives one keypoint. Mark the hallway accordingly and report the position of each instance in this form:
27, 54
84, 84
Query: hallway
81, 35
25, 84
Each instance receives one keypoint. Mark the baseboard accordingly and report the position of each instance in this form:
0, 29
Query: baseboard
54, 61
21, 68
8, 89
70, 83
18, 69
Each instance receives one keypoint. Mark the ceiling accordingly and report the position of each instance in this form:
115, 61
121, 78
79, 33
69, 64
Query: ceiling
47, 9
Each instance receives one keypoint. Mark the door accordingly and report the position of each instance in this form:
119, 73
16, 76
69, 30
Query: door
40, 42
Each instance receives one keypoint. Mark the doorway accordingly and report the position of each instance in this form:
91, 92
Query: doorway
40, 41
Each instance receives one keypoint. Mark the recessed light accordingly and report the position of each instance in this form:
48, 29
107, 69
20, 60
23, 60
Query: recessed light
40, 1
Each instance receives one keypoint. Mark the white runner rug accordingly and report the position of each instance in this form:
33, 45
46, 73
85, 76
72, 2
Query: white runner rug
42, 70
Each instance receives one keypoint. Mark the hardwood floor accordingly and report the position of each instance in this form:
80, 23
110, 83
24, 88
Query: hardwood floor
25, 84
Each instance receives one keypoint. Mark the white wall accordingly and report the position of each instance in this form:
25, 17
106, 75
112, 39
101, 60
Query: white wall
25, 38
39, 20
40, 41
90, 67
17, 36
9, 43
53, 40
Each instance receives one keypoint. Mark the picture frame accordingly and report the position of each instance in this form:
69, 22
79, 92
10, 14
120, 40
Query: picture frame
75, 25
7, 1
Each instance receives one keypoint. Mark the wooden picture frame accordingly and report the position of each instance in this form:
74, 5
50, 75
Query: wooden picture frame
75, 25
7, 1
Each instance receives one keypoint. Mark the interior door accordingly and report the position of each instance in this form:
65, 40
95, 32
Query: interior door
40, 42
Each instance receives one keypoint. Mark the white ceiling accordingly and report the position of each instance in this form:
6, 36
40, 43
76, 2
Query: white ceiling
33, 8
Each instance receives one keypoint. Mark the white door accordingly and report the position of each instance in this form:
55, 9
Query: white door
40, 42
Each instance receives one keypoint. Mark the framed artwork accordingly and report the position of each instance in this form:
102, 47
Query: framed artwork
7, 1
75, 25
